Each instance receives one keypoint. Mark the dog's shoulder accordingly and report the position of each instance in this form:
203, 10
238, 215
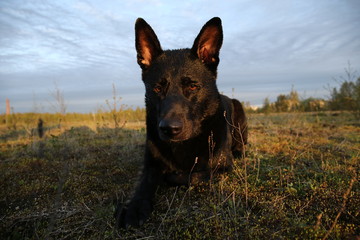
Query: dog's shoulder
227, 104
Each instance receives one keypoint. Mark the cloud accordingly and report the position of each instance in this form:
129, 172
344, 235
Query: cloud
58, 41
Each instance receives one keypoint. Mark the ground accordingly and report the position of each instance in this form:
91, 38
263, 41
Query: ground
298, 180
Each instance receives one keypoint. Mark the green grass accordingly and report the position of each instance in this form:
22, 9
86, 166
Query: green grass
299, 180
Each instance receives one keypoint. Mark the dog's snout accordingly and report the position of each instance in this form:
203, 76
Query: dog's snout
170, 128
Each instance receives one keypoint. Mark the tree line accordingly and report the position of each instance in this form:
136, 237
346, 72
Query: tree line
345, 97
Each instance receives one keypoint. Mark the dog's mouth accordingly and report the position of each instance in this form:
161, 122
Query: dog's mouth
168, 137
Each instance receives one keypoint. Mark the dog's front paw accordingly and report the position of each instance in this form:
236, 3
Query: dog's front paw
133, 214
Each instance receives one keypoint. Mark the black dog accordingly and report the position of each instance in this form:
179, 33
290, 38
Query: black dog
192, 130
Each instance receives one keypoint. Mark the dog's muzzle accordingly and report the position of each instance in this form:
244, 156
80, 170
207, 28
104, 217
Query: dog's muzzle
170, 128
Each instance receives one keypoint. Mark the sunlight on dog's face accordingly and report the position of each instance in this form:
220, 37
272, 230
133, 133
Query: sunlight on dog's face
176, 94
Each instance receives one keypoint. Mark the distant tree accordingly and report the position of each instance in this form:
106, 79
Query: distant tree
313, 104
347, 97
287, 103
59, 104
281, 103
115, 107
248, 108
267, 106
293, 100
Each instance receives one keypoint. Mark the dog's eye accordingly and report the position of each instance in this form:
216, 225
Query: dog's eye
157, 89
193, 87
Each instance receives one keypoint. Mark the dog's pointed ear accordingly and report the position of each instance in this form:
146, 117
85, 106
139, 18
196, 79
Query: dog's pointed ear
208, 43
146, 43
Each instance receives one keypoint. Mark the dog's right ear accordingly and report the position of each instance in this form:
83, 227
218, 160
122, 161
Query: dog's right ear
147, 44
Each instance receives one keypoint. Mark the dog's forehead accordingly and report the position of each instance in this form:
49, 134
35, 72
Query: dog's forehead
175, 58
179, 63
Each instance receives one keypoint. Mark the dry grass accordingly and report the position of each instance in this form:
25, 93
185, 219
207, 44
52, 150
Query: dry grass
299, 180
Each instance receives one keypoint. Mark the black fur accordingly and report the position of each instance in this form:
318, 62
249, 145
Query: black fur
192, 130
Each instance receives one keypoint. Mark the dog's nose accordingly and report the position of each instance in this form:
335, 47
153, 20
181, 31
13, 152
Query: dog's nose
170, 128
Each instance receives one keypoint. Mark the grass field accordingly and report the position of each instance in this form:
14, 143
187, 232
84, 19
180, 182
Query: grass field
299, 180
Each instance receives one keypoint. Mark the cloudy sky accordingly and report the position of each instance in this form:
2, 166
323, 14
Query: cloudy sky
83, 47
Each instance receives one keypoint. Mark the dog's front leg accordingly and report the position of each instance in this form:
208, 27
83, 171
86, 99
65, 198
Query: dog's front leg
135, 212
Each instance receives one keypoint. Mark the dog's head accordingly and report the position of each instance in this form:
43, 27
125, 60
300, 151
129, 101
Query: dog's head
180, 85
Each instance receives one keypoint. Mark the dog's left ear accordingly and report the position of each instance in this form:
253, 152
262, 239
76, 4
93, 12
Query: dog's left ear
208, 43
